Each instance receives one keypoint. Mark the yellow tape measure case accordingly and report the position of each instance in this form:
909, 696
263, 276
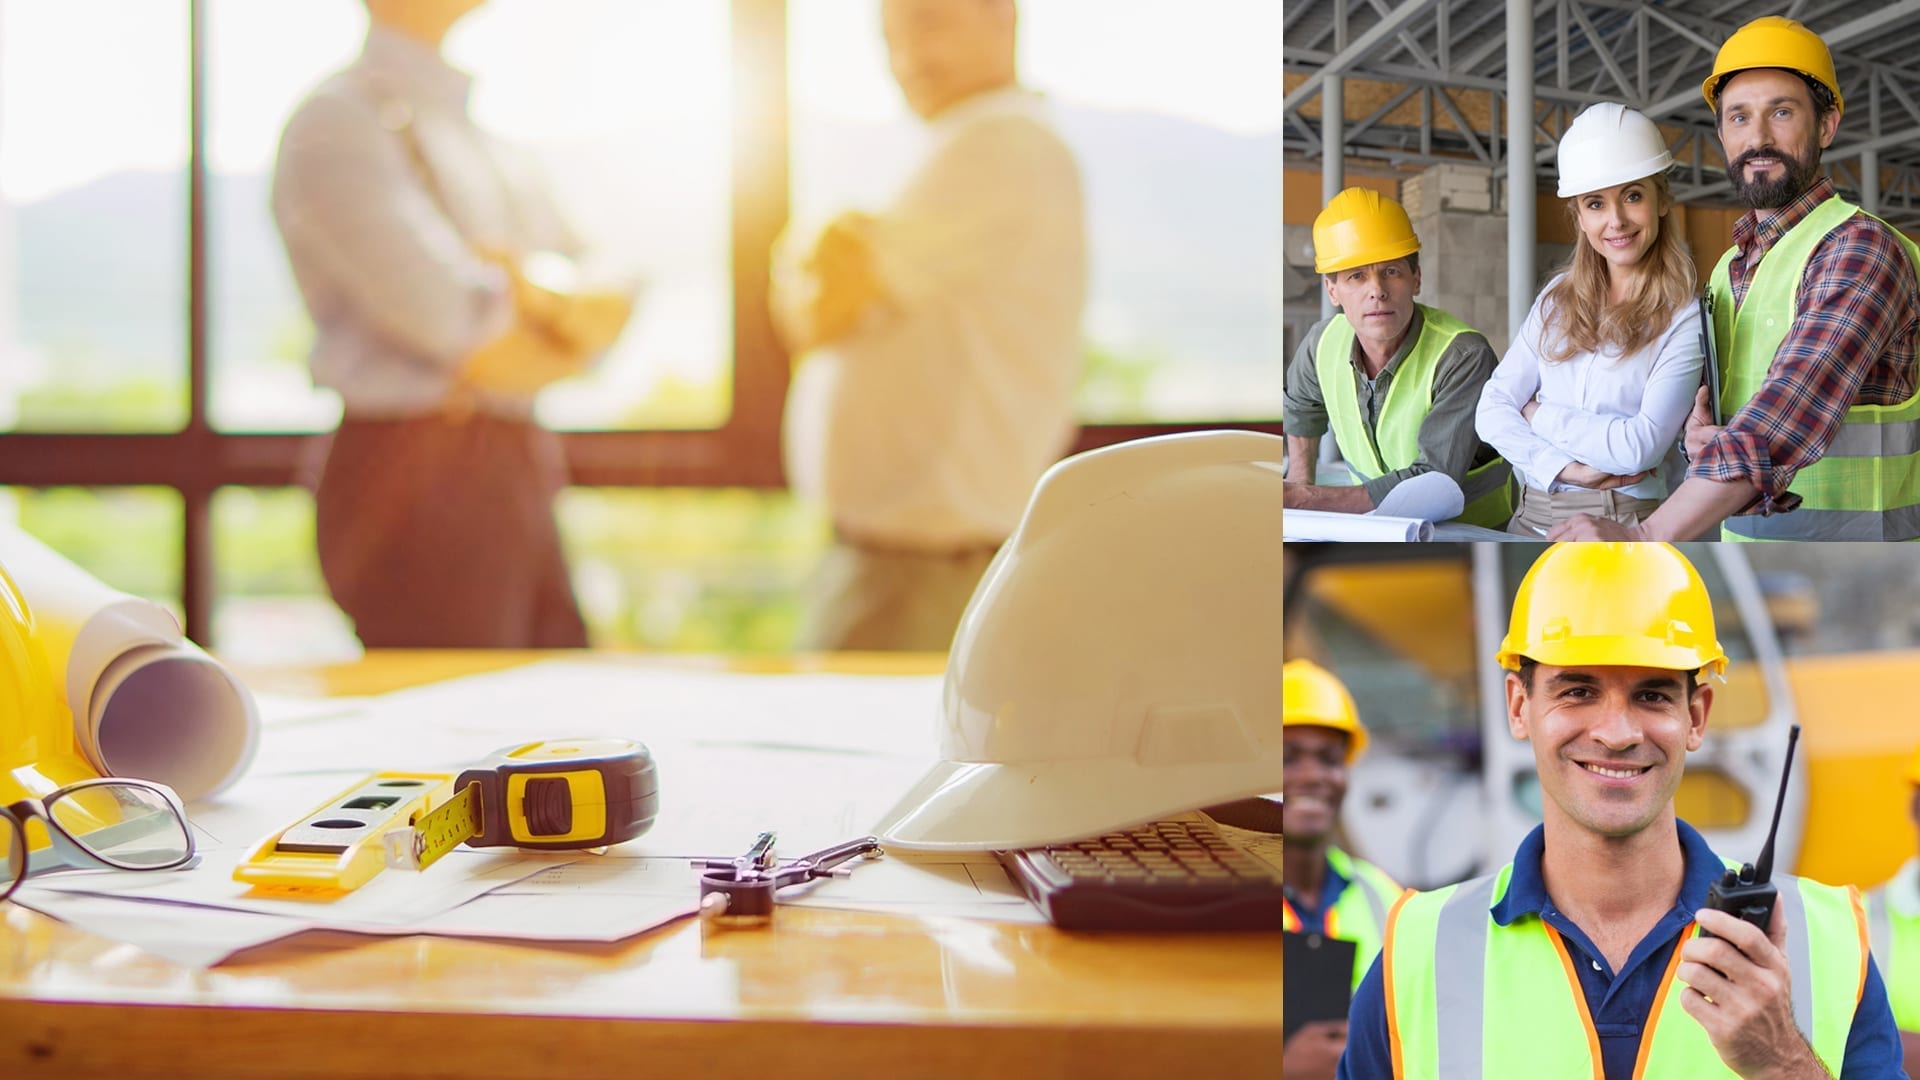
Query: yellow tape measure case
564, 795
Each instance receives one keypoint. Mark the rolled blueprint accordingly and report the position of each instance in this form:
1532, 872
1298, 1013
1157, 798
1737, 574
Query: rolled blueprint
1327, 525
146, 701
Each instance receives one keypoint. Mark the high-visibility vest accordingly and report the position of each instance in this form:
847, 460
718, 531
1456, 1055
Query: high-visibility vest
1394, 443
1467, 997
1360, 915
1867, 484
1896, 946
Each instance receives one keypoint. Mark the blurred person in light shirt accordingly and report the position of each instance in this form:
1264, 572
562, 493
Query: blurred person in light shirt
415, 239
939, 339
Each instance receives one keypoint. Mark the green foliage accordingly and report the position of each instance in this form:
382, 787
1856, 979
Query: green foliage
127, 537
120, 405
690, 569
1116, 386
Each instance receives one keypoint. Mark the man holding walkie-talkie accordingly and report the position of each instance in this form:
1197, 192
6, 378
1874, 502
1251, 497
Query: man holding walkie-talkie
1580, 958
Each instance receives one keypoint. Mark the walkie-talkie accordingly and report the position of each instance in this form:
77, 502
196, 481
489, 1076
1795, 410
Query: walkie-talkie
1748, 894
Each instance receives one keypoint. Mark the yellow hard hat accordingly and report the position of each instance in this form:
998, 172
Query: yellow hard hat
1774, 41
38, 753
1312, 697
1359, 227
1617, 605
1913, 767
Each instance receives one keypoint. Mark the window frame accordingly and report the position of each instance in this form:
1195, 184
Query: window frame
198, 460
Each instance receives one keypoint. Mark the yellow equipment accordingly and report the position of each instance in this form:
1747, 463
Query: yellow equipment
1626, 605
38, 753
1774, 41
1312, 697
1360, 227
543, 796
551, 795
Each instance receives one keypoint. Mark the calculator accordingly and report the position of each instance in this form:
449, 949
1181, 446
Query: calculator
1181, 874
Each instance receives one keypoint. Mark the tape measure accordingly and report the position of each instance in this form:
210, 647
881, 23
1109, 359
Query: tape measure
544, 796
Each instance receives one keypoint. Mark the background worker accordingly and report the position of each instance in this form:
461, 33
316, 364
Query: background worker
1816, 310
940, 340
1327, 891
1893, 925
1591, 396
405, 226
1579, 958
1397, 381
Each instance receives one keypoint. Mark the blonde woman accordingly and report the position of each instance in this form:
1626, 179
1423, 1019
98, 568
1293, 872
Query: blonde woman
1595, 388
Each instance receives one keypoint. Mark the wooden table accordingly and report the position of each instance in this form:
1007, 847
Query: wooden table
822, 993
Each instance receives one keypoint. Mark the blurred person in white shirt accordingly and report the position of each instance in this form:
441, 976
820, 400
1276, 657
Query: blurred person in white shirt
407, 229
939, 339
1595, 389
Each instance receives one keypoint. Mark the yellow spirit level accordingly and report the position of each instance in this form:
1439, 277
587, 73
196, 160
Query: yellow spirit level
335, 847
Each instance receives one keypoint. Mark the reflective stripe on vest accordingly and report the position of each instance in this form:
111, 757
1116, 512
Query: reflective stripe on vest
1359, 916
1361, 912
1896, 946
1467, 997
1394, 443
1867, 484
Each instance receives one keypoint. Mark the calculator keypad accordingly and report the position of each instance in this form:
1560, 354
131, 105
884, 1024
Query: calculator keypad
1179, 854
1168, 875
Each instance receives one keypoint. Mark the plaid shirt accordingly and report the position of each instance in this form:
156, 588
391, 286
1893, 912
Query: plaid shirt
1852, 343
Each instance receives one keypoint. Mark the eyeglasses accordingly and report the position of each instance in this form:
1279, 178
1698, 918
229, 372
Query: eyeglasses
113, 823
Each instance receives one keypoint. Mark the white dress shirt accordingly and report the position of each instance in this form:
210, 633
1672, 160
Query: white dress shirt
1620, 415
385, 192
929, 424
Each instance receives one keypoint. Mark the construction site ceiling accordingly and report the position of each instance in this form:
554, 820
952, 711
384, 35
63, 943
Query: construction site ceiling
1426, 81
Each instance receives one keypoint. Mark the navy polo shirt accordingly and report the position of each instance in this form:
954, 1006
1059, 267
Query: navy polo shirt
1313, 920
1619, 1001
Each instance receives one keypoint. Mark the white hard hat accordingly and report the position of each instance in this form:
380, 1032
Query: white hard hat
1120, 660
1609, 144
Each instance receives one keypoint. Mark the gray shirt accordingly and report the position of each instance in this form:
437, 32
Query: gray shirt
386, 196
1448, 442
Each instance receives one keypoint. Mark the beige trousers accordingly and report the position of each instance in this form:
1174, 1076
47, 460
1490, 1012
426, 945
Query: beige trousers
874, 599
1540, 511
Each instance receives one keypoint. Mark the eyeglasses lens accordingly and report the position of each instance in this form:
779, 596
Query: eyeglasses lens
125, 824
13, 851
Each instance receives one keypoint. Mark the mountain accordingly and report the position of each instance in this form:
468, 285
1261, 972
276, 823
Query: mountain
1184, 220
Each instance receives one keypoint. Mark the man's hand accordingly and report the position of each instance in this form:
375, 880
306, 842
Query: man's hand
839, 284
1700, 429
517, 363
1740, 990
1586, 476
1295, 495
590, 322
1314, 1051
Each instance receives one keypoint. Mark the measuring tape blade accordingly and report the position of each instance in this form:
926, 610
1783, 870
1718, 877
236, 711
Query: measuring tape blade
443, 830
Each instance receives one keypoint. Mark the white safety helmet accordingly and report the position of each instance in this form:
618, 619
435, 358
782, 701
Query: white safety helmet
1609, 144
1120, 660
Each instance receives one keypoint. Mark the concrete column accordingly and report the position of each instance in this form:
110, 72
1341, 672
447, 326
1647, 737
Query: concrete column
1522, 230
1870, 181
1333, 156
1462, 264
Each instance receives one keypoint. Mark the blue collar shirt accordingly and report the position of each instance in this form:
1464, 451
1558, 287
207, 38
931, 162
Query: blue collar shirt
1620, 1001
1313, 919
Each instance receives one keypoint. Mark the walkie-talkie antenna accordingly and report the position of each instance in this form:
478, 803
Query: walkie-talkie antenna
1763, 868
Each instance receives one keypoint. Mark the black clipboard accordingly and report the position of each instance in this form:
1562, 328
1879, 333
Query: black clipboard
1319, 979
1712, 355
